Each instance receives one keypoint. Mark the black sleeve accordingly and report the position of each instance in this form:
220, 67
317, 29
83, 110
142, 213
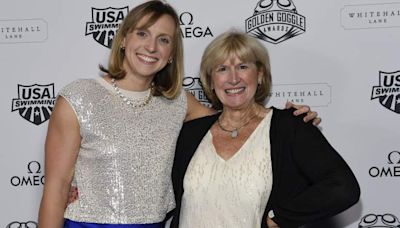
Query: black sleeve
332, 186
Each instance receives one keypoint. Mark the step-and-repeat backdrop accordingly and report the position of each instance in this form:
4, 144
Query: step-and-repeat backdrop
340, 57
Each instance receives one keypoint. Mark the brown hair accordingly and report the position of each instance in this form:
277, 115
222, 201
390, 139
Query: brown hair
247, 49
168, 81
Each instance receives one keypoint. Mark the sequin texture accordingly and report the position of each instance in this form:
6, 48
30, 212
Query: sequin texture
123, 170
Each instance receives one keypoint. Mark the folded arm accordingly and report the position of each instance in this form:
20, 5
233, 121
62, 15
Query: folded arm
332, 185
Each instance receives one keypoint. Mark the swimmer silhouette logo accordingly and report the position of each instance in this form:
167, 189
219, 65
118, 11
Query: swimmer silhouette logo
105, 23
275, 21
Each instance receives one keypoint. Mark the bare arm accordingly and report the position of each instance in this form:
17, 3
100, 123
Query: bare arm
61, 150
196, 109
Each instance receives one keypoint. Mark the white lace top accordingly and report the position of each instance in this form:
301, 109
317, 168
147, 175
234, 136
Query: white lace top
229, 193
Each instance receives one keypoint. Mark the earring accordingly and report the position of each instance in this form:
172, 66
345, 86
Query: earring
123, 49
170, 60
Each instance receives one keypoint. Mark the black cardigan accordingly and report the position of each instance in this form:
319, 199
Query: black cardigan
311, 181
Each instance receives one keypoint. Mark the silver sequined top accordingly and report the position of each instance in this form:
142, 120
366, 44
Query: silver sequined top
123, 170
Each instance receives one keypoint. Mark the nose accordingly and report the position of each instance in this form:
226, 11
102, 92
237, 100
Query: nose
151, 45
234, 77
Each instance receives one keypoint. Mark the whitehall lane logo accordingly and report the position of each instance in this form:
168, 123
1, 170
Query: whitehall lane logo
35, 102
390, 169
17, 224
191, 30
193, 85
312, 94
105, 23
275, 21
370, 16
379, 220
23, 31
33, 177
388, 90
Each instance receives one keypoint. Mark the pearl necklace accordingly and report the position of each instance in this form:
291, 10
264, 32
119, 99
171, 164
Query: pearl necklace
130, 102
235, 131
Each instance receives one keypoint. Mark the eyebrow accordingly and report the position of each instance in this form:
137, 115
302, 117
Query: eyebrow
147, 30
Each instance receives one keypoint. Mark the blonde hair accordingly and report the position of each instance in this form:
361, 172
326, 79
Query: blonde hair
168, 81
247, 49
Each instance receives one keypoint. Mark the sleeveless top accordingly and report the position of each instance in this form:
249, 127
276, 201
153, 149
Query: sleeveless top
228, 193
123, 169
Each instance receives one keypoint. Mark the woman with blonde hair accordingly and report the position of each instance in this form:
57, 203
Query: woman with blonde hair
249, 165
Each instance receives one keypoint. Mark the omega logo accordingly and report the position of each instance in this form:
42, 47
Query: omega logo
391, 170
188, 30
34, 177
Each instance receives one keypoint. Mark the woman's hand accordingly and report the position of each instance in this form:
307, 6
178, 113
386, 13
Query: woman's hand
271, 223
311, 115
73, 194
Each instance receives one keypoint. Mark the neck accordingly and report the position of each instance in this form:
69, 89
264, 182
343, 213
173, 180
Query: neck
236, 118
131, 83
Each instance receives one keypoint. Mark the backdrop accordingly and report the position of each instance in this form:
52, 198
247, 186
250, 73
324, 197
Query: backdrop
340, 57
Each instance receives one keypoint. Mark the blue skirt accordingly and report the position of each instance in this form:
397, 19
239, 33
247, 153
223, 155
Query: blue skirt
71, 224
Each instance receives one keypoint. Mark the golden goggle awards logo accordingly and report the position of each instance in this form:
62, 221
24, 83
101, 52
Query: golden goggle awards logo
275, 21
381, 221
194, 86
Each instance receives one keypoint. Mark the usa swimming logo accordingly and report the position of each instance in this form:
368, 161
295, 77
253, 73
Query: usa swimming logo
388, 90
35, 102
105, 23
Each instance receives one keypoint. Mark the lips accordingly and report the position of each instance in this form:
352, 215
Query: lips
235, 90
147, 59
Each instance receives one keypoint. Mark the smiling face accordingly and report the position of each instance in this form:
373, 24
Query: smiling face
235, 83
147, 50
235, 60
